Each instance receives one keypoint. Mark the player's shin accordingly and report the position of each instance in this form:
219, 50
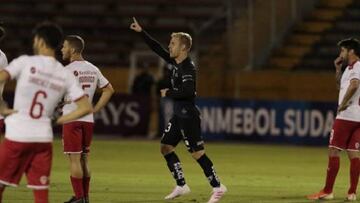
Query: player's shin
354, 174
2, 189
332, 171
209, 170
174, 166
86, 175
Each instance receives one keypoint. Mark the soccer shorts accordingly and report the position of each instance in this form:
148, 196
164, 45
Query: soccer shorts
184, 128
345, 135
77, 137
33, 159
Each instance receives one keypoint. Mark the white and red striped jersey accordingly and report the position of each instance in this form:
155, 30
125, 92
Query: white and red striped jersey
41, 84
352, 113
90, 78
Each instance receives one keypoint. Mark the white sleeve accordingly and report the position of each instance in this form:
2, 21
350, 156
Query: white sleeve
73, 89
102, 81
355, 72
3, 61
16, 66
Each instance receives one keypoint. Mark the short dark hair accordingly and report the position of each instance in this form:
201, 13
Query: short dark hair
351, 43
76, 42
50, 32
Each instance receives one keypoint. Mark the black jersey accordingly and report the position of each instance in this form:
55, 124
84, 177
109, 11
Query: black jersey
182, 77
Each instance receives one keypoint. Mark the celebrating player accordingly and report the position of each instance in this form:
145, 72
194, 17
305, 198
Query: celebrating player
185, 124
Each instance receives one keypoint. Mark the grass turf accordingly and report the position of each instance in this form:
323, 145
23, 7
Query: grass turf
135, 172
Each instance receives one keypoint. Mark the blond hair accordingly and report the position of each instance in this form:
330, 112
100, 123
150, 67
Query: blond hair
185, 39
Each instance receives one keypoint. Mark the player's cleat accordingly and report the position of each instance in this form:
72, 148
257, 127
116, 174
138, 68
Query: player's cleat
74, 200
178, 191
351, 197
217, 193
321, 196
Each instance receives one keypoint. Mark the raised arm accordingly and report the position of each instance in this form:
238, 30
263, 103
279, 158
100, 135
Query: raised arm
151, 42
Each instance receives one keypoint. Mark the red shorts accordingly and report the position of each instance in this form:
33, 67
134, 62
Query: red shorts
345, 135
33, 159
77, 136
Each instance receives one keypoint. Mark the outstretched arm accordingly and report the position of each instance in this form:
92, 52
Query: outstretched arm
151, 42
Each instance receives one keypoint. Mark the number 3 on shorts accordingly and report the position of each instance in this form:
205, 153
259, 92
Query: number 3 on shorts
168, 127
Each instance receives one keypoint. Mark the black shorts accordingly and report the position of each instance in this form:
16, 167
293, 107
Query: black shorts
184, 128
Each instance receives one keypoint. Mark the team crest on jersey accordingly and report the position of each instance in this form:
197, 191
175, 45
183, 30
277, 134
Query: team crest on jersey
357, 145
32, 70
76, 73
44, 180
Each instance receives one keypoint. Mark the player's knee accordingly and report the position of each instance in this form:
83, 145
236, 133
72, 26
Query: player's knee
75, 158
334, 152
353, 154
166, 149
198, 154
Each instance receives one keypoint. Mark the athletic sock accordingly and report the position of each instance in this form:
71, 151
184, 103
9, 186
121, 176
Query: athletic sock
41, 196
354, 174
77, 185
332, 170
1, 192
209, 170
86, 185
174, 166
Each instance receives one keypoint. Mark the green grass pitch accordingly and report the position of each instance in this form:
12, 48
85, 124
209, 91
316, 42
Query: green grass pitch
134, 172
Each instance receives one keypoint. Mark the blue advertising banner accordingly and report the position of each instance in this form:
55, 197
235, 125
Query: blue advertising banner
308, 123
277, 121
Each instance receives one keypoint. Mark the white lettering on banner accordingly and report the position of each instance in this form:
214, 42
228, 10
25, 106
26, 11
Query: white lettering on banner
208, 119
275, 131
115, 112
316, 123
308, 122
262, 117
302, 124
223, 120
131, 111
289, 128
247, 122
102, 115
236, 121
111, 114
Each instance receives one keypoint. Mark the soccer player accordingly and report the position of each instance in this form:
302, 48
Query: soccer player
77, 134
41, 83
345, 134
3, 64
185, 124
